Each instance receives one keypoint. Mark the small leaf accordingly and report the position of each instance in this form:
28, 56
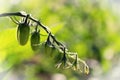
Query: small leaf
86, 69
75, 66
83, 67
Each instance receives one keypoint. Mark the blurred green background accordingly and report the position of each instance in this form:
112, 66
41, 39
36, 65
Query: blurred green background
88, 27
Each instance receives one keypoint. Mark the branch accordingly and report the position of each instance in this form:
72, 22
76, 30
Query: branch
24, 14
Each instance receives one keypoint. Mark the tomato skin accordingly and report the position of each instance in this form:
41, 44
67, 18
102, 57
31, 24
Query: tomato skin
23, 31
35, 40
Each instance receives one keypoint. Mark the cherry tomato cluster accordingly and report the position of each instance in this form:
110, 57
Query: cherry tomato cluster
23, 32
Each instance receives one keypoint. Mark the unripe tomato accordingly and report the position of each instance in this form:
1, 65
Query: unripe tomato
35, 40
23, 33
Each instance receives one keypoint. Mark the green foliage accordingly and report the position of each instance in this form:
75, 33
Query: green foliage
51, 42
87, 27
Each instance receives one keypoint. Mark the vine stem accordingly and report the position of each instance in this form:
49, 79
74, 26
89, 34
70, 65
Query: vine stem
24, 14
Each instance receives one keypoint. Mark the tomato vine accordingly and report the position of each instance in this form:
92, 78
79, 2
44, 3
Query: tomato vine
23, 31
